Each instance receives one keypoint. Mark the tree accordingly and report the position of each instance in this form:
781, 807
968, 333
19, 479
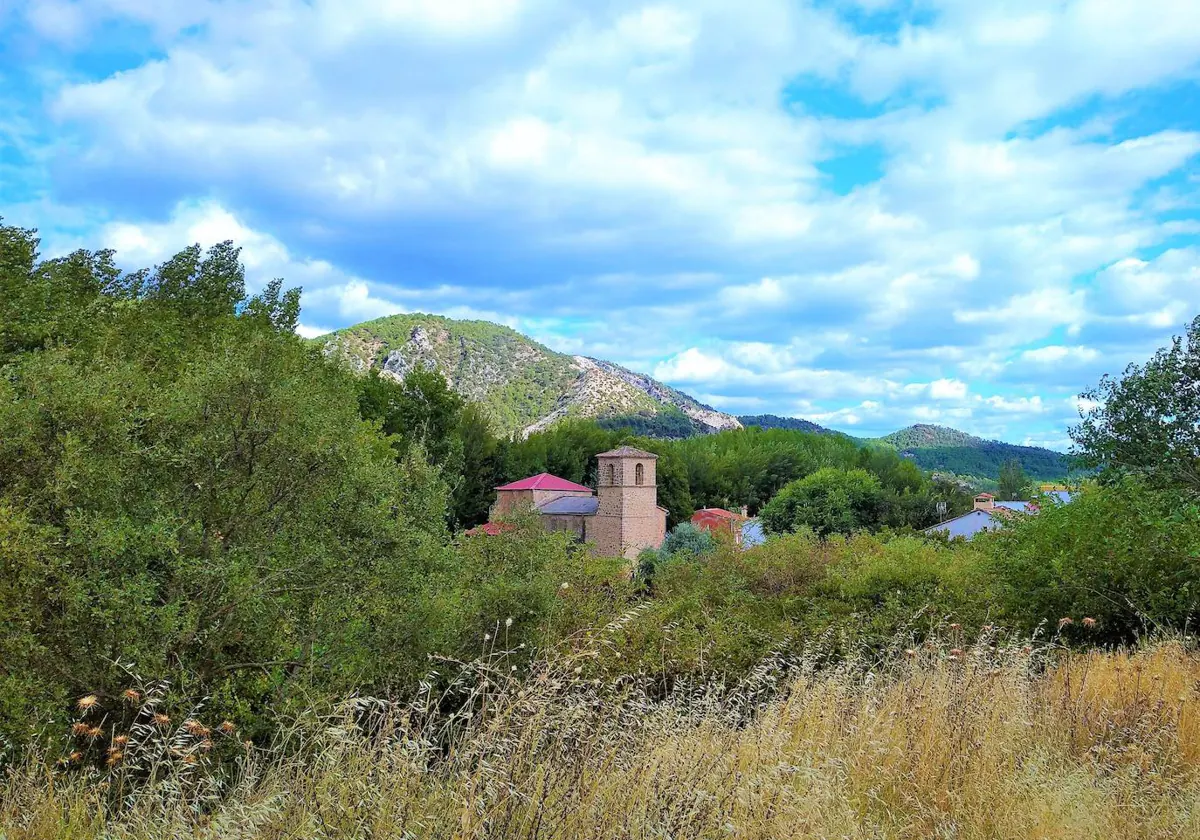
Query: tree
420, 409
829, 501
1014, 484
1147, 422
685, 539
481, 458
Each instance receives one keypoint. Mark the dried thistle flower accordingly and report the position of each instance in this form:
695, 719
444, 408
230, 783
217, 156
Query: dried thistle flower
80, 729
194, 727
1065, 621
1089, 622
161, 720
910, 653
76, 756
227, 727
88, 702
131, 695
120, 740
956, 653
206, 745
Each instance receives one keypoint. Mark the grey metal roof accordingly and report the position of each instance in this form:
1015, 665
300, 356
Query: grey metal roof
968, 525
577, 505
752, 534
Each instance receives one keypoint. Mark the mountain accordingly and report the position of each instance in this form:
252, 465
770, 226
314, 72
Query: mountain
523, 385
774, 421
942, 449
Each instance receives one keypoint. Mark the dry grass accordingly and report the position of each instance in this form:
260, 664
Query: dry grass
990, 741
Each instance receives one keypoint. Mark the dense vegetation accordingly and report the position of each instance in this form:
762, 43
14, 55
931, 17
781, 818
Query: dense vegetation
205, 518
774, 421
942, 450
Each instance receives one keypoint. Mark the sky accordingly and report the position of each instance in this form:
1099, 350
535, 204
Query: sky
867, 213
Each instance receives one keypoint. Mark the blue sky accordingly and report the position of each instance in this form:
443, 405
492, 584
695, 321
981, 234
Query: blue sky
868, 213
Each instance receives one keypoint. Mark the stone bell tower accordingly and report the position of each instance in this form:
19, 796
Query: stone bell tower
628, 518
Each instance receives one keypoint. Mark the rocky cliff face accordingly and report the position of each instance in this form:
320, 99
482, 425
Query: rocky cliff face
523, 385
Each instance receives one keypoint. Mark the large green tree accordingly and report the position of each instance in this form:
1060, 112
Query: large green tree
1013, 483
187, 489
829, 501
1147, 421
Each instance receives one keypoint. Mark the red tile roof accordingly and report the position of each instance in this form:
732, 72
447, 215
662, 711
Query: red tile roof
720, 513
545, 481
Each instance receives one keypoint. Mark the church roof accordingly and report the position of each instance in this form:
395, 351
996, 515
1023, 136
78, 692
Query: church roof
545, 481
627, 452
574, 505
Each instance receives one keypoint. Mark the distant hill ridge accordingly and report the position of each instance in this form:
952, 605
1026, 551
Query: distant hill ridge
525, 386
521, 384
942, 449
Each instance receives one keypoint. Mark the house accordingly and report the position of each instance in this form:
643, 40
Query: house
620, 518
989, 514
719, 520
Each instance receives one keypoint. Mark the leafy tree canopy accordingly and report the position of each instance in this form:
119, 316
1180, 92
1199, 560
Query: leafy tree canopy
1147, 421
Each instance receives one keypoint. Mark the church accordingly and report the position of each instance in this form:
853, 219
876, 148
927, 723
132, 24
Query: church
620, 518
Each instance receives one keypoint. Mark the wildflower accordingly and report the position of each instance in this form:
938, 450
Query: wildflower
987, 628
1065, 621
227, 727
131, 695
565, 586
956, 626
189, 759
80, 729
162, 720
114, 757
508, 622
193, 726
487, 637
88, 702
120, 741
247, 744
76, 756
1089, 622
206, 745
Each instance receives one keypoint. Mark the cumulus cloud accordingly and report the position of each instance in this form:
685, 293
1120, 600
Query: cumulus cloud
655, 183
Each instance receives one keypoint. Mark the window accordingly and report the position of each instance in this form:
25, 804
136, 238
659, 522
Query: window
612, 473
639, 475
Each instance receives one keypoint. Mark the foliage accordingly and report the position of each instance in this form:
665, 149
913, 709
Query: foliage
939, 449
974, 738
830, 501
1147, 422
774, 421
1013, 483
1123, 554
664, 423
686, 540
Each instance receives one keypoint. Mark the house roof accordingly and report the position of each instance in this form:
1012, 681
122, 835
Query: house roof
575, 505
719, 513
626, 452
545, 481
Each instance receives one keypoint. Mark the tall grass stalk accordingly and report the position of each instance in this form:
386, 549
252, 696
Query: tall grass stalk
994, 740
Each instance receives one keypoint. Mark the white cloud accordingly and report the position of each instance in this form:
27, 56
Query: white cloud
625, 171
